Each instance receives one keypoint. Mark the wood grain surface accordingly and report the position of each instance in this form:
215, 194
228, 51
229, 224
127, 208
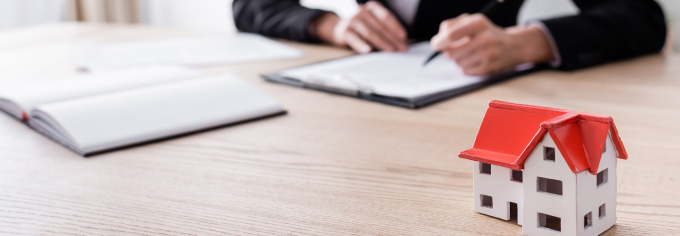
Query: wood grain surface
332, 166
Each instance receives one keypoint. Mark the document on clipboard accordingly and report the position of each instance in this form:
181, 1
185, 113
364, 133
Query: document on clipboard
398, 79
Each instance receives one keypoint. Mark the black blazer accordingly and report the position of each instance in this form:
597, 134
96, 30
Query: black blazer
604, 31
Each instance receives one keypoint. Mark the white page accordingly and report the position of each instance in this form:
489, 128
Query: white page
190, 51
117, 119
392, 74
27, 96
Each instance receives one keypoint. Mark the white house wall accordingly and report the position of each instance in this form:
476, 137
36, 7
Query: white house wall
590, 197
501, 188
535, 202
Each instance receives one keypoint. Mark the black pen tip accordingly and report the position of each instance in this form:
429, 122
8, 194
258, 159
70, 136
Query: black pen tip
431, 57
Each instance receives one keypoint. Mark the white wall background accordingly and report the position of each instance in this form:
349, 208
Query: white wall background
17, 13
206, 15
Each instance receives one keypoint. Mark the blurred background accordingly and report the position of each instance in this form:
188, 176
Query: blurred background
215, 15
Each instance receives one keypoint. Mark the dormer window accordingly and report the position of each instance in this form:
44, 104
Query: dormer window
548, 153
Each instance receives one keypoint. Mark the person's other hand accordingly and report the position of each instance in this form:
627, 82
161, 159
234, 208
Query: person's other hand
481, 48
373, 27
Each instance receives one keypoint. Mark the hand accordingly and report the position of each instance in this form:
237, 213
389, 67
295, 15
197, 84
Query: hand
373, 27
481, 48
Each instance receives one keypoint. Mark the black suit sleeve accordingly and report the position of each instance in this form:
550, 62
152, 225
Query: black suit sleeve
608, 30
276, 18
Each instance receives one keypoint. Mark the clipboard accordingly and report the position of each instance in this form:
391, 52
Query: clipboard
342, 84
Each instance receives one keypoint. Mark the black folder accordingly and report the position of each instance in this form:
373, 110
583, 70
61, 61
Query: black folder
397, 101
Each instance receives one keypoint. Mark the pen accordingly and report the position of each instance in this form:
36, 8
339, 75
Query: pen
488, 10
339, 83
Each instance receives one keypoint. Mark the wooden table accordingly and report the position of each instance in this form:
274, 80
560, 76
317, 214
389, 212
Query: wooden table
332, 166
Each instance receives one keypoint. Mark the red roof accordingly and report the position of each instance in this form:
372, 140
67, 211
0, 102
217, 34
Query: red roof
510, 132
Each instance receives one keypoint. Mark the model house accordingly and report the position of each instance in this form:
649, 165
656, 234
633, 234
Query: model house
556, 167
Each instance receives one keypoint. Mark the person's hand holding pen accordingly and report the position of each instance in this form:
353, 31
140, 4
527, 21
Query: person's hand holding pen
374, 27
480, 47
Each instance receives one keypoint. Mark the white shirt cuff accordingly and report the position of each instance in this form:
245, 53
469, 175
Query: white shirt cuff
556, 53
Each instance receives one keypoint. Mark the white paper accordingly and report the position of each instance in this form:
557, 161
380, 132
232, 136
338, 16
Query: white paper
391, 74
190, 51
122, 118
28, 96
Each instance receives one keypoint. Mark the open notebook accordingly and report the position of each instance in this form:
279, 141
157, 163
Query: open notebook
95, 113
394, 78
187, 51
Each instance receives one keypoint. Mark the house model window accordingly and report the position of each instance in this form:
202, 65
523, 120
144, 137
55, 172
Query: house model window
550, 186
588, 220
516, 176
548, 154
487, 201
484, 168
549, 222
602, 177
603, 211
